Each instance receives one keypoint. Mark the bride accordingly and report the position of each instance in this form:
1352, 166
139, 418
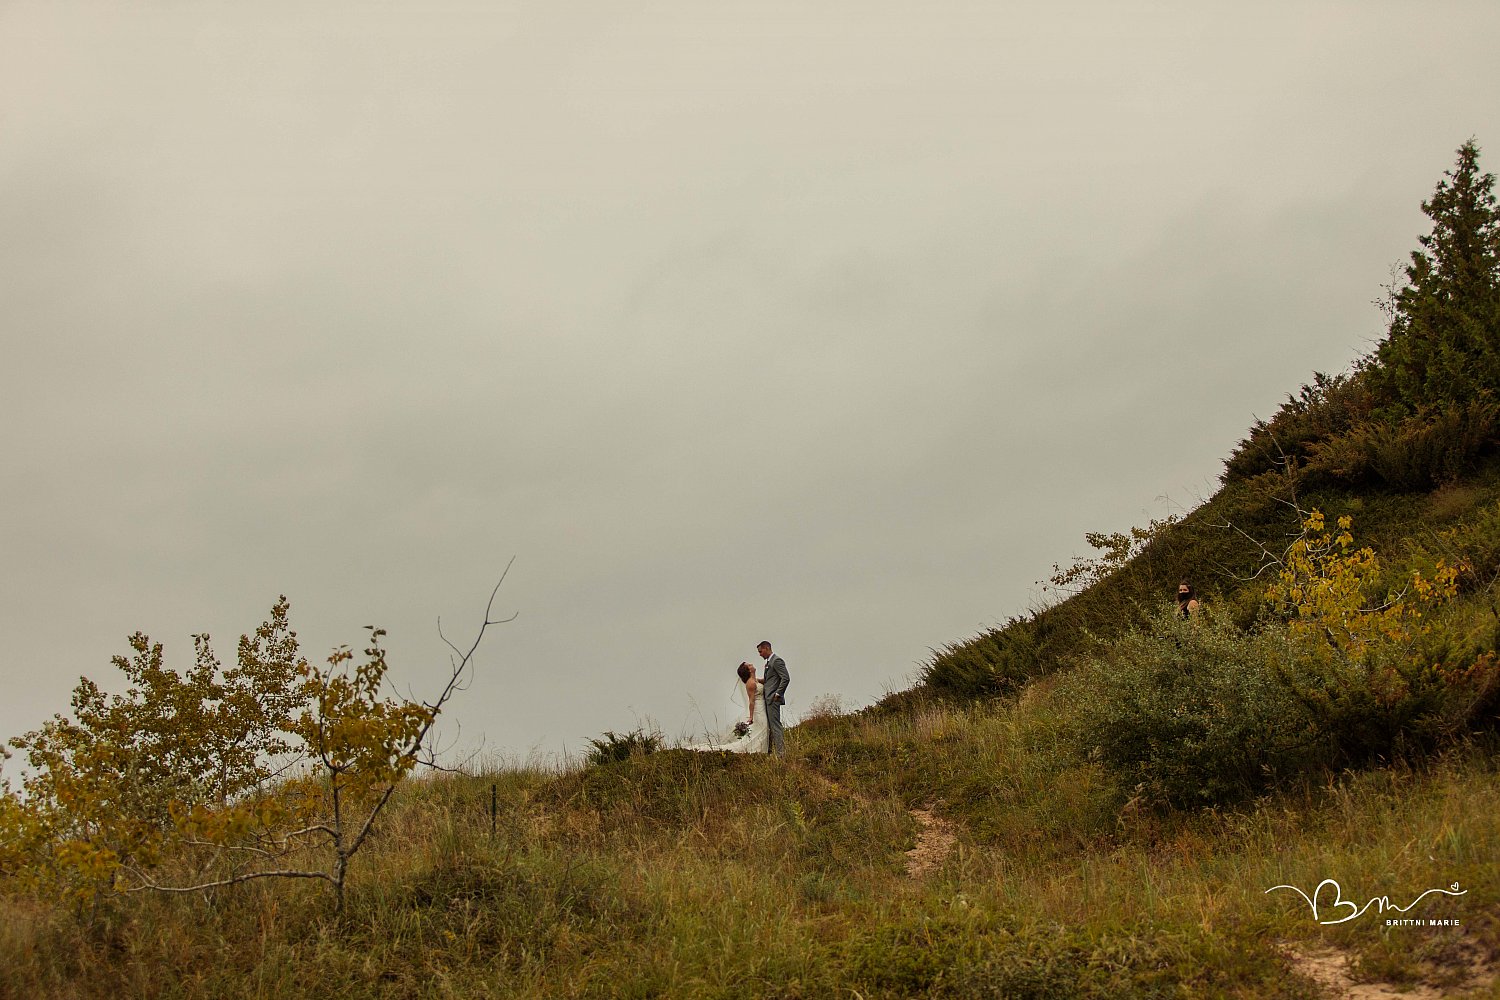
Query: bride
751, 736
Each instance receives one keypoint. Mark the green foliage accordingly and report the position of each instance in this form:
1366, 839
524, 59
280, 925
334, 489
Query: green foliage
1415, 453
997, 662
1116, 550
362, 740
1326, 409
1190, 713
22, 834
356, 747
1368, 669
613, 746
1443, 345
1472, 544
1343, 673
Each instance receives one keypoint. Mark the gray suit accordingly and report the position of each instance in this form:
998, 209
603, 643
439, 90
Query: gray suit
775, 685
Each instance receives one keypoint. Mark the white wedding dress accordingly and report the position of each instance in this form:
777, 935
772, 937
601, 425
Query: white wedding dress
757, 738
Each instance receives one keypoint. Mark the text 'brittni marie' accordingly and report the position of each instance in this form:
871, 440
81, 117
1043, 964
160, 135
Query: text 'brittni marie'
1350, 910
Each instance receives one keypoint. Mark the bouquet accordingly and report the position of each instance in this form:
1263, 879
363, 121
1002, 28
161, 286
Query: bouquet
740, 729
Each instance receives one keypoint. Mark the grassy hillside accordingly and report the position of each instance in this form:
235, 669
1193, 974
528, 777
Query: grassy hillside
1227, 549
680, 874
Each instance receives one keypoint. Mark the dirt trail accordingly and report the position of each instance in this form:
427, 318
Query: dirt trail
1330, 969
935, 839
934, 843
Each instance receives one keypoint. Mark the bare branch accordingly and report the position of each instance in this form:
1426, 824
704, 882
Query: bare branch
446, 641
1267, 557
318, 828
446, 770
364, 831
147, 883
231, 847
458, 669
432, 753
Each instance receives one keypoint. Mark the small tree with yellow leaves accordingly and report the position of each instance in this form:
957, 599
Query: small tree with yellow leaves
356, 746
188, 784
1370, 670
103, 786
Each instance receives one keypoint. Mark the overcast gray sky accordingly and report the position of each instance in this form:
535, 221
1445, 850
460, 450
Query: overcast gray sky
830, 323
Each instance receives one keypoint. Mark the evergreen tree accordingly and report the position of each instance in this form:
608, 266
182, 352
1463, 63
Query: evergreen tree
1443, 345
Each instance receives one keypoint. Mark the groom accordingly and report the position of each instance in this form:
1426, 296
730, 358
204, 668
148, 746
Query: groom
774, 684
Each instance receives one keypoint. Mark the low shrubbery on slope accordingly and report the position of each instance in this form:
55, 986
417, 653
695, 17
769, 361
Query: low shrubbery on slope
1421, 413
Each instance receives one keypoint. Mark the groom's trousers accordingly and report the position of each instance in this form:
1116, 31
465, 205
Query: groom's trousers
773, 728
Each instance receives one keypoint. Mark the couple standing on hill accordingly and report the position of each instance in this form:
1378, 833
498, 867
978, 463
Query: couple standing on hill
764, 696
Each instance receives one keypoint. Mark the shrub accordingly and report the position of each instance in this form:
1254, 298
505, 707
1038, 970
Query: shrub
1473, 545
997, 662
614, 746
825, 706
1418, 453
1369, 670
1338, 675
219, 776
1328, 407
105, 788
1191, 713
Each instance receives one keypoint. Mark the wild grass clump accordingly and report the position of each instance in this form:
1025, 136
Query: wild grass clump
667, 786
614, 746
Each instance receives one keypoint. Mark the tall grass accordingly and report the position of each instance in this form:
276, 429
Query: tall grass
715, 875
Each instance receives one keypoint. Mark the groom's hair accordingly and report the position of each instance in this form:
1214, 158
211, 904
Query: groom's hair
744, 672
763, 643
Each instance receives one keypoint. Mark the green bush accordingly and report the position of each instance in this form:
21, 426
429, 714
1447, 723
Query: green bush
997, 662
1473, 544
1360, 653
1396, 699
1327, 408
1417, 453
1353, 663
614, 746
1192, 712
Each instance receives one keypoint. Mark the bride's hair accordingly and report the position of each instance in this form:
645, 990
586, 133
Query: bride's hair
744, 672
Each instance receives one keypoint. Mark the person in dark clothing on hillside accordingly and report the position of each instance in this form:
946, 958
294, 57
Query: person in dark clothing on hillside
1187, 600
